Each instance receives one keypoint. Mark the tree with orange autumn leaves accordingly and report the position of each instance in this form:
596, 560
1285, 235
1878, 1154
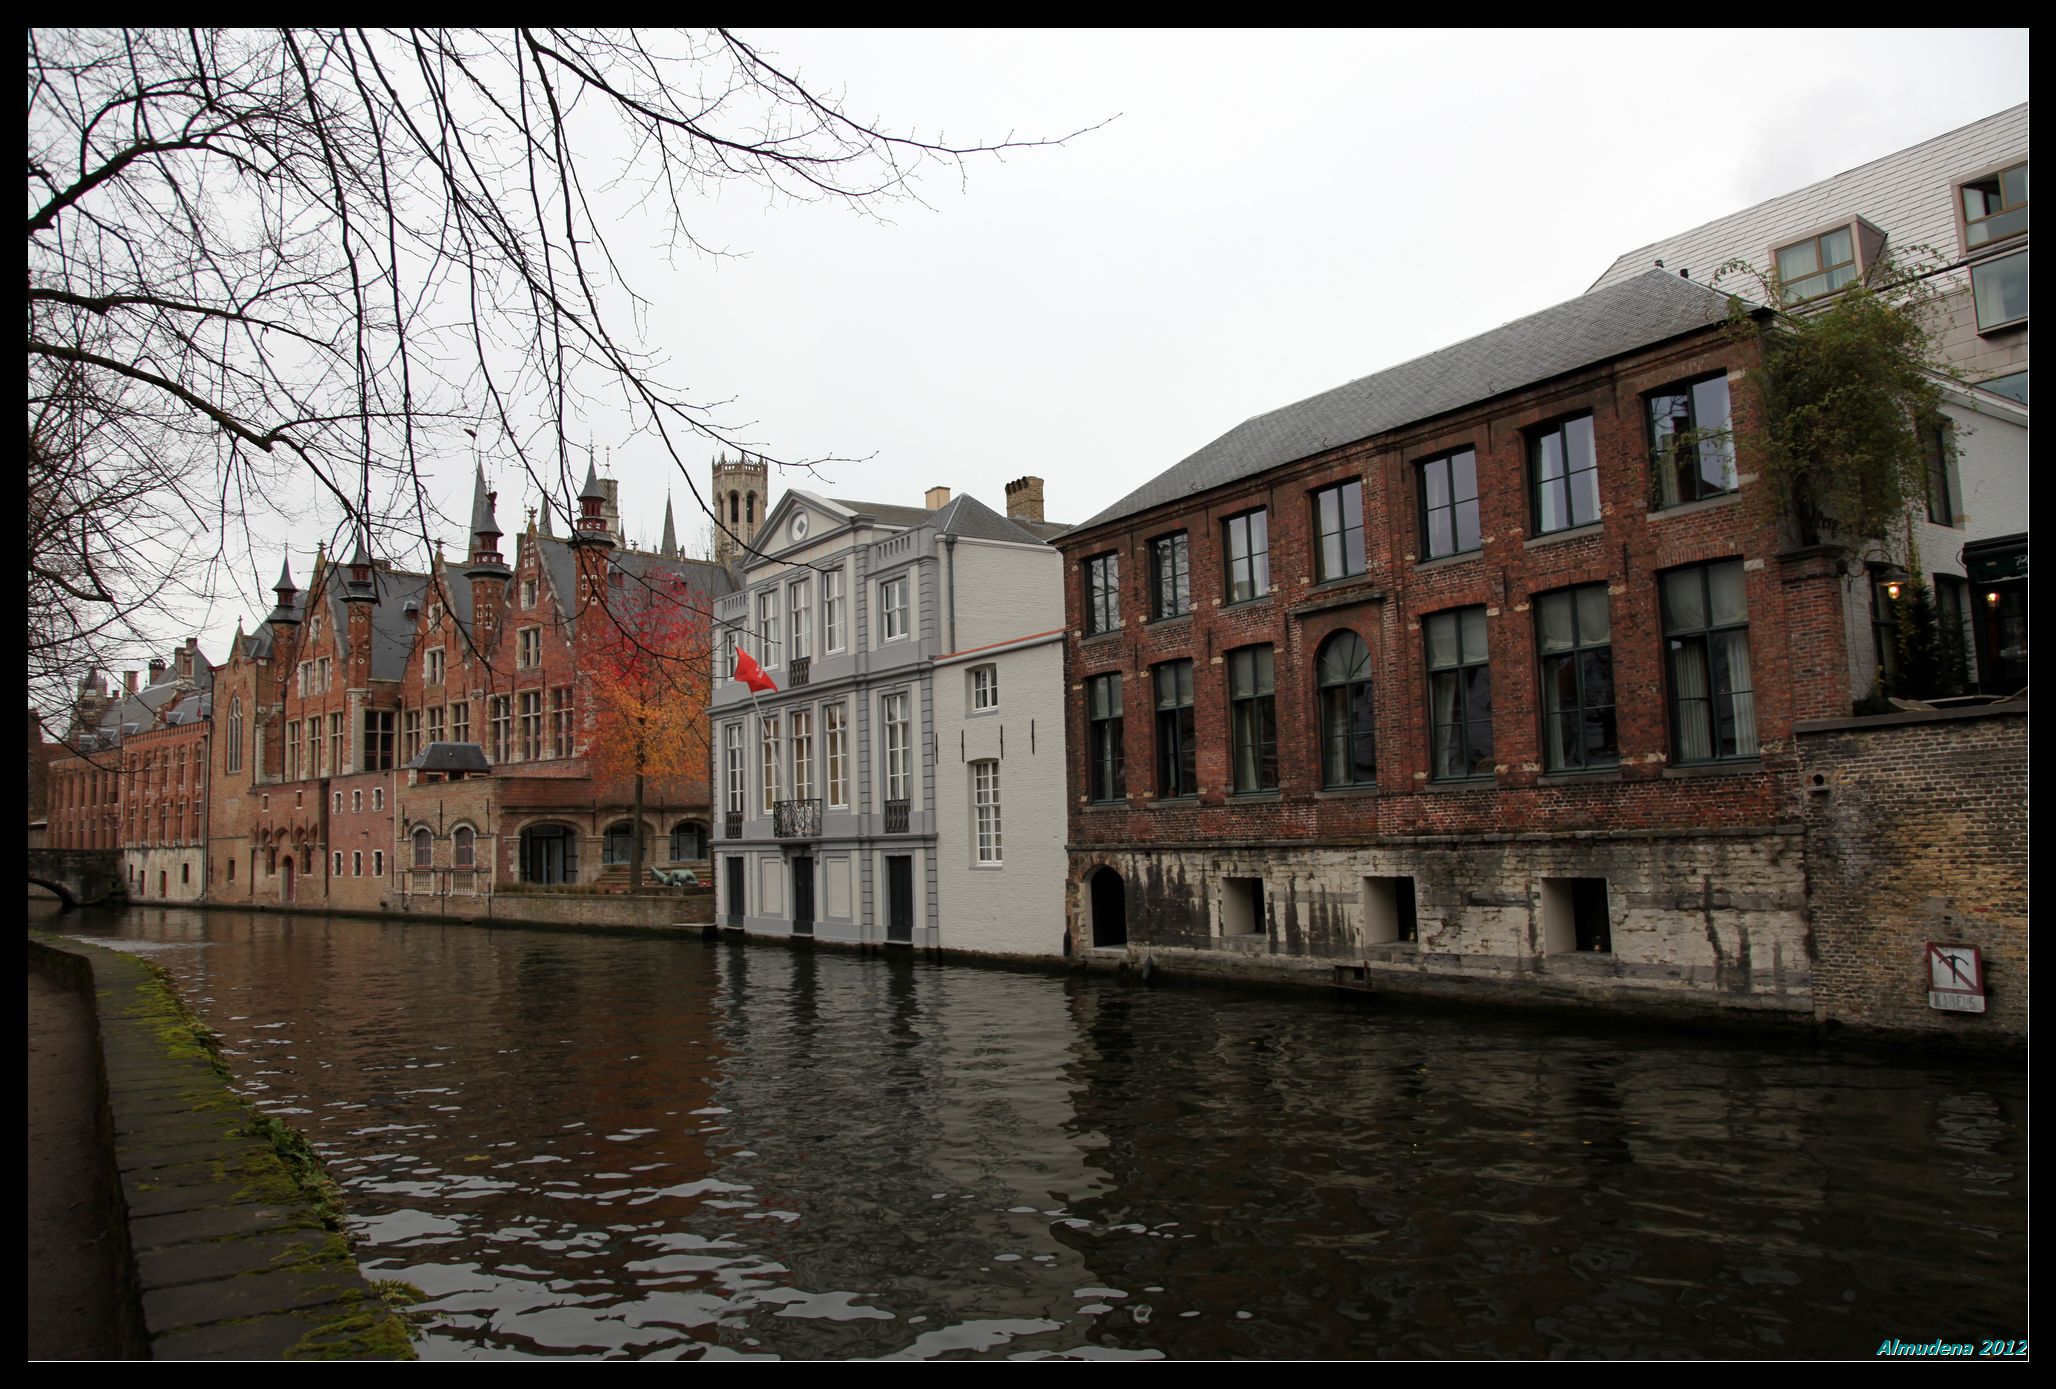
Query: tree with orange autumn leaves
648, 688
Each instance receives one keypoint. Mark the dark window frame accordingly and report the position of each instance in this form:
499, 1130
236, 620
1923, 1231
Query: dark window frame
1447, 462
1105, 751
1676, 639
1102, 581
1347, 714
1255, 558
1177, 738
1349, 518
1252, 719
1566, 480
1937, 441
1663, 452
1577, 660
1468, 693
1170, 558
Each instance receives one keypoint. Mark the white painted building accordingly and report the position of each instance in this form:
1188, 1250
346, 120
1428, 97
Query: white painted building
904, 784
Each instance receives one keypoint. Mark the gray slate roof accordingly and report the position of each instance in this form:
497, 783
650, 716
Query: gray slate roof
450, 757
392, 628
1644, 310
972, 519
1907, 195
885, 512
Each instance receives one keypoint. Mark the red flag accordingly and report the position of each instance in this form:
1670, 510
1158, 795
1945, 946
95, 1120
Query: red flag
750, 673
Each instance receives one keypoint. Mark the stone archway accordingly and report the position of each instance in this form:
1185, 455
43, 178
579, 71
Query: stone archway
1108, 897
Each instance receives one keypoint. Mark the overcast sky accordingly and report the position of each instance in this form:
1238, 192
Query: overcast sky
1266, 215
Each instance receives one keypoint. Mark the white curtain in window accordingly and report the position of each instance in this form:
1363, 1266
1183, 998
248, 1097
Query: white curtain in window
1695, 725
1744, 693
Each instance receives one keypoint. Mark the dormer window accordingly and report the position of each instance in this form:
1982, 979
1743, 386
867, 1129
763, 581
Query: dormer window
1995, 207
1828, 260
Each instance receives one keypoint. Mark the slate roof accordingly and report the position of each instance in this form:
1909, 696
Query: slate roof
392, 628
972, 519
450, 757
906, 516
1907, 195
1639, 312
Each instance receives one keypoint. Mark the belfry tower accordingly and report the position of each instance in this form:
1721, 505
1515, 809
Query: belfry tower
742, 494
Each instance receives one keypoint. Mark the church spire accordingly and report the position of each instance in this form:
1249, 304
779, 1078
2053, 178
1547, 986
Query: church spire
669, 549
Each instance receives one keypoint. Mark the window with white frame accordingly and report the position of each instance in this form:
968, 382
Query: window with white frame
802, 754
892, 608
898, 735
434, 670
737, 792
378, 864
378, 798
531, 725
984, 688
528, 593
529, 647
767, 628
802, 614
769, 791
833, 609
985, 804
836, 734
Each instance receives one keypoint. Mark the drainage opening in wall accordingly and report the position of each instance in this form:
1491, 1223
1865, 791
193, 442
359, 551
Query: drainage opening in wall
1575, 917
1389, 911
1242, 906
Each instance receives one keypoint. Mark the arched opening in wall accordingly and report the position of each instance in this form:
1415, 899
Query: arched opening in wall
619, 844
735, 508
1109, 908
163, 883
749, 514
424, 847
549, 854
464, 847
688, 841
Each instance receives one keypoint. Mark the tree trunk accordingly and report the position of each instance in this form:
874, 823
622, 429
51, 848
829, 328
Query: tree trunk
635, 840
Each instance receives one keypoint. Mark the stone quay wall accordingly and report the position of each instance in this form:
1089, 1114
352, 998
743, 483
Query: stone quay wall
1916, 832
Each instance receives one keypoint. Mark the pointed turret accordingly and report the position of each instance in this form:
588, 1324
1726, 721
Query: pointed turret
669, 548
286, 613
358, 587
592, 526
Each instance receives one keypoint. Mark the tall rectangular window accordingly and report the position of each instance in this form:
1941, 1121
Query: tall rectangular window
560, 722
293, 751
531, 725
433, 662
411, 748
768, 769
337, 752
1459, 694
802, 612
460, 721
898, 739
1706, 627
892, 609
1170, 577
501, 715
1576, 641
803, 754
378, 740
528, 648
1691, 442
1941, 499
435, 723
1246, 550
832, 609
1338, 531
1176, 738
985, 803
1884, 628
836, 732
767, 628
1103, 717
1564, 468
984, 688
317, 760
1449, 504
1252, 719
732, 762
1102, 593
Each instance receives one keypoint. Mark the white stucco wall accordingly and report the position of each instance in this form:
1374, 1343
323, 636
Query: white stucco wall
1016, 908
1004, 592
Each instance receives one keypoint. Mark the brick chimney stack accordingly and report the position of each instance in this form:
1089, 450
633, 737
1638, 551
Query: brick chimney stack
938, 498
1024, 499
128, 680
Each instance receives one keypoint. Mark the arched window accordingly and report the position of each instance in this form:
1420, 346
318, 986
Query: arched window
424, 847
235, 735
466, 842
750, 509
734, 508
688, 842
619, 844
1348, 746
549, 854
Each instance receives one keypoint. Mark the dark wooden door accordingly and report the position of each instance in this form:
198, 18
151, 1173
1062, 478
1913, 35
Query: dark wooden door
734, 894
899, 898
803, 896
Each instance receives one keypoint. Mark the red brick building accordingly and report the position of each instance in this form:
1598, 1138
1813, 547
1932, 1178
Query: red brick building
348, 686
1482, 668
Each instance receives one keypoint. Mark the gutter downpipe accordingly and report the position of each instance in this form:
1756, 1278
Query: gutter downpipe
949, 549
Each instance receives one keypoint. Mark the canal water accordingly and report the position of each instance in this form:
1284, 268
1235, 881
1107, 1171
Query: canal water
630, 1146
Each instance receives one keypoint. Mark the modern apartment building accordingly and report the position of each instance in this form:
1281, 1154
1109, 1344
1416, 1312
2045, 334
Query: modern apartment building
903, 783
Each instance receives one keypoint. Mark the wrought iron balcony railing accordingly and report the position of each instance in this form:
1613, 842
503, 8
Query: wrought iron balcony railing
796, 819
797, 670
896, 816
731, 824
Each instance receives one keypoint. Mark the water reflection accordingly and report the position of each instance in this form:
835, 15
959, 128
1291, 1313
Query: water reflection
668, 1149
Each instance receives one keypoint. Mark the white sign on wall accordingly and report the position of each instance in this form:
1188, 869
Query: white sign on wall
1956, 978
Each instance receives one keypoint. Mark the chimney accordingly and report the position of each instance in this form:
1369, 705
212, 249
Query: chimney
938, 498
156, 669
1024, 499
128, 680
184, 656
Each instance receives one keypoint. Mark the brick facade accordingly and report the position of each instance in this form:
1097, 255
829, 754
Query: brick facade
1916, 830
